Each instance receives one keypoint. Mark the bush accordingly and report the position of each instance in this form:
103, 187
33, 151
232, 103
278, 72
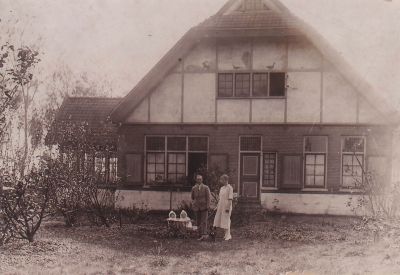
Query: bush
26, 204
132, 215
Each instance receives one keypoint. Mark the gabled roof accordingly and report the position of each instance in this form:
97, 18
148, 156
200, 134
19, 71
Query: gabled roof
94, 112
276, 20
235, 16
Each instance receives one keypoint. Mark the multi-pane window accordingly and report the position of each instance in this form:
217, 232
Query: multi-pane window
260, 84
277, 84
250, 144
225, 85
104, 166
100, 168
269, 173
242, 85
174, 159
176, 166
268, 84
113, 164
315, 149
155, 166
353, 160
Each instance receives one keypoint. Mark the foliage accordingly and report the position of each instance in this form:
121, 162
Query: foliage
16, 73
211, 177
71, 191
6, 232
133, 214
100, 206
379, 199
78, 190
26, 204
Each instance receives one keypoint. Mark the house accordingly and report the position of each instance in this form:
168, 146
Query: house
256, 91
87, 140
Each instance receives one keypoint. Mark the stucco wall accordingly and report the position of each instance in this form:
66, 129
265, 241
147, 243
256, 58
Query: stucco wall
303, 97
315, 91
233, 111
202, 58
303, 55
234, 55
165, 101
268, 110
267, 54
199, 97
339, 99
324, 204
152, 200
141, 113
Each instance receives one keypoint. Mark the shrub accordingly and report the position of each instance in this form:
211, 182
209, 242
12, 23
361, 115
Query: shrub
132, 215
26, 204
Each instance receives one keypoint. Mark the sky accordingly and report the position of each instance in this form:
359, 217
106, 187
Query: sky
122, 39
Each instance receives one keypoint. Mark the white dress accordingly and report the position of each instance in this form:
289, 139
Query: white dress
222, 218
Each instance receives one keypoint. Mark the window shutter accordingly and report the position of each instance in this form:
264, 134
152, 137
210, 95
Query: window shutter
134, 168
291, 171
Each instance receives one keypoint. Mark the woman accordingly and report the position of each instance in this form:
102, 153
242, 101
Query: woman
224, 209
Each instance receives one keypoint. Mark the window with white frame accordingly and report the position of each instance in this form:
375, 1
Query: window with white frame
315, 151
250, 144
105, 167
269, 172
353, 160
102, 165
174, 159
256, 85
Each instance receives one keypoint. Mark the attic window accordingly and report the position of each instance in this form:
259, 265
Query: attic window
256, 85
252, 5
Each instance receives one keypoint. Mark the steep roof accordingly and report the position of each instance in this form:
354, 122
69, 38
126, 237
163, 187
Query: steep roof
257, 16
93, 112
272, 19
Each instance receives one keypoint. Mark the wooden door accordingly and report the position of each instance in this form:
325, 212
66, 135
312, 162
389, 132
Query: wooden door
250, 176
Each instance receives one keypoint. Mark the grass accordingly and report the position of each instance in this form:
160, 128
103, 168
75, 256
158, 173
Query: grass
277, 245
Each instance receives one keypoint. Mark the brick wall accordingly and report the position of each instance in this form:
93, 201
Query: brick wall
283, 139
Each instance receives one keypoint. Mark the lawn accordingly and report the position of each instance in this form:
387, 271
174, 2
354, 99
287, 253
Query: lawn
275, 245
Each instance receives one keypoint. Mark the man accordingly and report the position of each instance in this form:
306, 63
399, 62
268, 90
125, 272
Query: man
201, 197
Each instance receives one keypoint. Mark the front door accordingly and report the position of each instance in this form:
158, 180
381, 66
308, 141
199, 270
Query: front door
250, 176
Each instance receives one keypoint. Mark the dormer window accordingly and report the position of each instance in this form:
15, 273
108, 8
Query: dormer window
255, 85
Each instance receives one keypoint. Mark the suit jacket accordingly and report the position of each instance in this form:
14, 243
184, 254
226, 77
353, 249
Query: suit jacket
201, 197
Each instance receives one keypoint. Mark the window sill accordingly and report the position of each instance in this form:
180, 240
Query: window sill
250, 97
347, 190
269, 189
167, 187
315, 189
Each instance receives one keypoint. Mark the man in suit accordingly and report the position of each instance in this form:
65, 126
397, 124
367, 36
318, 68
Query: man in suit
201, 197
